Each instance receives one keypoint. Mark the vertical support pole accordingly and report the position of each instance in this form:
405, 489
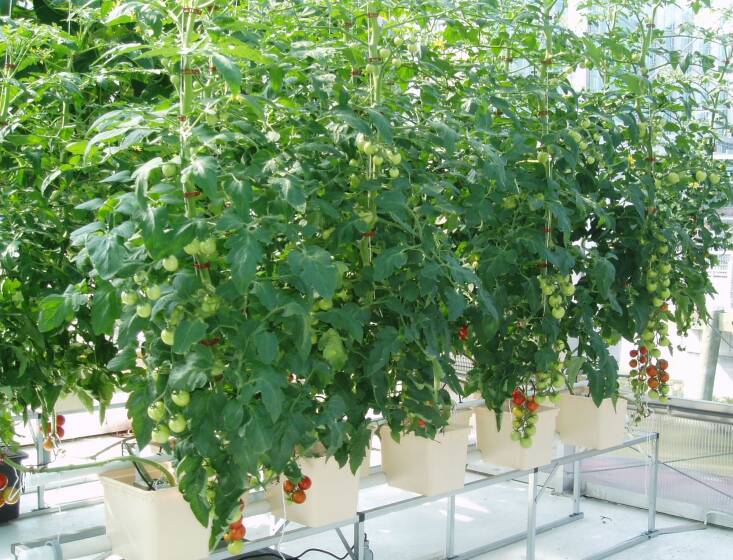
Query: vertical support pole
576, 487
531, 514
43, 457
710, 350
359, 538
450, 537
652, 487
567, 470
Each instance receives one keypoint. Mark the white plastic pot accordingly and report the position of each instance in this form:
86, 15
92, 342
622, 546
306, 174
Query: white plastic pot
425, 466
580, 422
333, 496
147, 525
498, 448
461, 418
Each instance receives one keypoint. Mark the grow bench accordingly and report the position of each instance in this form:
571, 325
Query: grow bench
257, 505
361, 550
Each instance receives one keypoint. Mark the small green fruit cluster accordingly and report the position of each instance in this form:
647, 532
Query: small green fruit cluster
558, 289
524, 417
168, 424
379, 155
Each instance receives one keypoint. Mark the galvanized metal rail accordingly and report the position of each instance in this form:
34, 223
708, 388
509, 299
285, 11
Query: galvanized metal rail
359, 550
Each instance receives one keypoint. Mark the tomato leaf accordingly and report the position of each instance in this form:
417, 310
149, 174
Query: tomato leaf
107, 254
106, 309
315, 268
188, 333
228, 70
244, 257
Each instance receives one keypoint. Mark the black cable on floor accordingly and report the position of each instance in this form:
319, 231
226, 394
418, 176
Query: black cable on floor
326, 552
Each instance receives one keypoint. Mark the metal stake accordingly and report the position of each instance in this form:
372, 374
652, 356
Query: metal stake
652, 489
450, 538
359, 538
576, 487
531, 514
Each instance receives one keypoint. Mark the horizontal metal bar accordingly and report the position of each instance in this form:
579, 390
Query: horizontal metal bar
66, 506
681, 528
644, 537
274, 540
517, 537
89, 533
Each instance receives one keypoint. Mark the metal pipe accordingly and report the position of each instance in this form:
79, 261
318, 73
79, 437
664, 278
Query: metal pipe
531, 514
450, 539
576, 487
518, 537
359, 537
652, 489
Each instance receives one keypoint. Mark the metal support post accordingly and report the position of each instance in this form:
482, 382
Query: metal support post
531, 514
359, 538
576, 487
450, 538
43, 457
652, 488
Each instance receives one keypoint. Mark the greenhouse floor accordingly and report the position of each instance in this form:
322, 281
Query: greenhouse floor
483, 515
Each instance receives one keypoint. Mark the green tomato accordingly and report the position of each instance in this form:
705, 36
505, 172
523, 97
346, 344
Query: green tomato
651, 273
653, 394
651, 287
530, 430
590, 160
517, 411
193, 248
526, 442
568, 290
325, 304
558, 313
140, 277
208, 247
378, 160
144, 310
384, 53
543, 157
169, 170
394, 173
533, 418
161, 434
156, 411
657, 183
663, 249
516, 423
235, 548
510, 202
177, 424
558, 383
354, 181
663, 399
714, 178
397, 41
353, 163
370, 149
170, 263
673, 178
555, 301
372, 69
666, 268
548, 289
181, 398
585, 123
153, 292
658, 302
665, 293
700, 175
395, 158
555, 399
129, 298
168, 337
656, 352
515, 436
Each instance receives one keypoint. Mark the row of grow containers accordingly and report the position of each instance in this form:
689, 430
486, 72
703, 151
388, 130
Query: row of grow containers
159, 525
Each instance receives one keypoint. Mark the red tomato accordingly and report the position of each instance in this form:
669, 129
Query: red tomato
653, 383
663, 364
643, 350
60, 420
3, 481
288, 486
237, 533
305, 484
533, 405
633, 363
298, 496
634, 353
60, 432
651, 371
664, 377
